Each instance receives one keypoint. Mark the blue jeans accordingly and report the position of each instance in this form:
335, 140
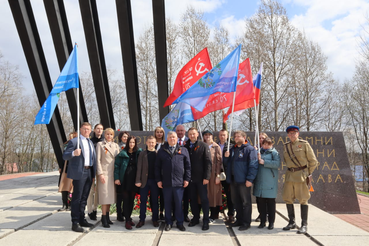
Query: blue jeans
144, 192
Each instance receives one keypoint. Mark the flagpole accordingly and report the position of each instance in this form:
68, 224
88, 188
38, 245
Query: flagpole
257, 126
230, 128
78, 118
198, 124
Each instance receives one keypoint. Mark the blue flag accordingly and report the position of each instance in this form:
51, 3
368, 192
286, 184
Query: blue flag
180, 114
221, 78
68, 79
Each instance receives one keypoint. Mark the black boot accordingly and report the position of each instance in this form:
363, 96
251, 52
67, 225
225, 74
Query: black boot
65, 201
291, 216
304, 218
108, 219
104, 221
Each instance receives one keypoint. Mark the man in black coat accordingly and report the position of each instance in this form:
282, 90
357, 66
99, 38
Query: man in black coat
172, 174
200, 176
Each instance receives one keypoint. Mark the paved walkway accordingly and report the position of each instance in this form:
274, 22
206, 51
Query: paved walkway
359, 220
29, 216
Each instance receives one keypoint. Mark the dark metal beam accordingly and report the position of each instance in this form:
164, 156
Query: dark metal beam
97, 62
31, 43
63, 47
129, 62
158, 9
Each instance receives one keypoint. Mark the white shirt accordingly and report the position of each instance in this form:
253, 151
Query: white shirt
86, 149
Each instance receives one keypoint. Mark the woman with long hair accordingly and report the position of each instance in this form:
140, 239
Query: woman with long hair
125, 176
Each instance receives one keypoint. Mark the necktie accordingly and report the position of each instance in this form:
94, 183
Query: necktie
171, 148
180, 142
89, 147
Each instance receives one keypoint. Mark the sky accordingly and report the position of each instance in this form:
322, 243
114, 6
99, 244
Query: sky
335, 25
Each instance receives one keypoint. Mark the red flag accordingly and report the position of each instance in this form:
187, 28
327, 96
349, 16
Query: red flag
244, 100
222, 100
190, 74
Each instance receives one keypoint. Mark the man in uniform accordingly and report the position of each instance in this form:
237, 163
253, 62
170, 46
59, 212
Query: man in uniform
301, 162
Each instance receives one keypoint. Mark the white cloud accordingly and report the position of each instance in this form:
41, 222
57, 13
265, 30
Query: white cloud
340, 42
236, 27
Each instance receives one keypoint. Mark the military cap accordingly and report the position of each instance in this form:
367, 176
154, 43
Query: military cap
292, 128
207, 131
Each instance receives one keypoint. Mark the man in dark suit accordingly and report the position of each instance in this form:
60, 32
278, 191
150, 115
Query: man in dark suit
200, 175
182, 139
172, 174
82, 169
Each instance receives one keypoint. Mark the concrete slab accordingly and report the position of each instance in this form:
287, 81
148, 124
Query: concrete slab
342, 240
5, 232
195, 240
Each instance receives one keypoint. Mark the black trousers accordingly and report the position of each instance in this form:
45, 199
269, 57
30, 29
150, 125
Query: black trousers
119, 204
266, 205
197, 189
81, 190
186, 202
128, 203
241, 197
227, 191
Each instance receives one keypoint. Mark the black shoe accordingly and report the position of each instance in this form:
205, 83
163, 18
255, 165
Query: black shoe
205, 226
257, 219
108, 219
261, 226
64, 208
77, 228
270, 226
181, 227
155, 224
291, 225
84, 223
235, 224
186, 219
92, 216
244, 227
140, 224
168, 227
193, 223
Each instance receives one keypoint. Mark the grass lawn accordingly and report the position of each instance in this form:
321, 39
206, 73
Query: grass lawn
362, 192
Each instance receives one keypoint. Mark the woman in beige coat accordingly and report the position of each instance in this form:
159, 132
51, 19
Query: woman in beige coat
106, 152
214, 187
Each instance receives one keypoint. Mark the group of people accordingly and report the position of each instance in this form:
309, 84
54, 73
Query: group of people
185, 170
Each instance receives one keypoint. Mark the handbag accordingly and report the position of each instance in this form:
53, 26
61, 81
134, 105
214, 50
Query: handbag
222, 176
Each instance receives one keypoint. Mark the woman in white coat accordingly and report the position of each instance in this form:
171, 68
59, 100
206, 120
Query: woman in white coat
106, 151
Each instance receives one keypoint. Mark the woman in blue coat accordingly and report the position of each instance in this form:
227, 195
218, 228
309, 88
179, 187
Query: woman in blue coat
266, 182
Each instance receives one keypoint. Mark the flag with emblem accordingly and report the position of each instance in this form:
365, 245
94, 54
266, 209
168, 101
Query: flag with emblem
222, 100
221, 78
68, 79
244, 100
189, 74
180, 114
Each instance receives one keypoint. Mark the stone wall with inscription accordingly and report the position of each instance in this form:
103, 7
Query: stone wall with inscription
333, 183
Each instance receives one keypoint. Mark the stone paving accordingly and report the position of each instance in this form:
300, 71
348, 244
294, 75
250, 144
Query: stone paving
29, 216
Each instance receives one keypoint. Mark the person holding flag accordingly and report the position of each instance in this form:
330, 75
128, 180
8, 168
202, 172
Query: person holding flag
82, 169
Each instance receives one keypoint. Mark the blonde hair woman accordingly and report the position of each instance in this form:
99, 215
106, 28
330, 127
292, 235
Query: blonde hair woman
106, 152
159, 136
